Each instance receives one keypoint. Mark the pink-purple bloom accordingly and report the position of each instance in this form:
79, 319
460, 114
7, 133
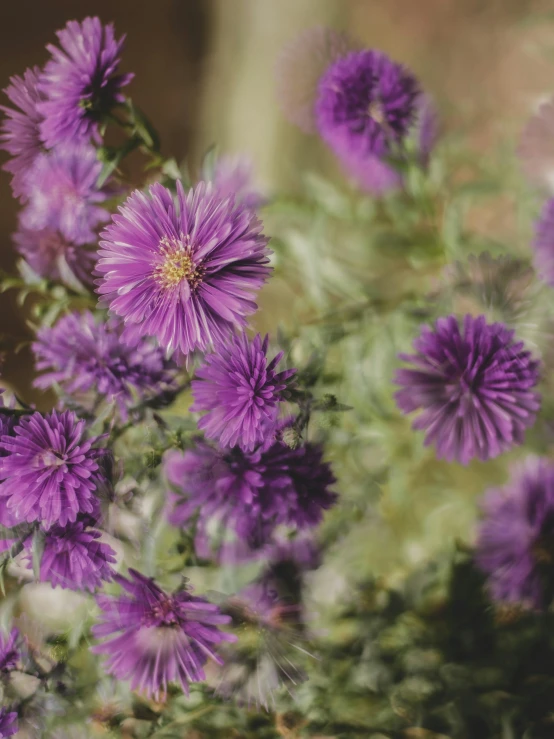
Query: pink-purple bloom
19, 133
152, 638
241, 391
50, 472
233, 177
86, 358
515, 546
473, 384
544, 244
9, 652
80, 82
8, 722
63, 195
184, 271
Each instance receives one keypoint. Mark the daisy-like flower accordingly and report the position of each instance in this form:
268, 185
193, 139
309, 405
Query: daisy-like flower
74, 558
232, 177
241, 391
152, 638
474, 385
543, 244
87, 359
50, 473
8, 722
515, 546
185, 272
366, 104
80, 83
63, 196
9, 653
19, 133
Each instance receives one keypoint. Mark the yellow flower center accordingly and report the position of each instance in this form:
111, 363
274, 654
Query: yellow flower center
176, 264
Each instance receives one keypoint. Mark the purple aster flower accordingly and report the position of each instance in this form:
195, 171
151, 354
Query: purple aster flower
63, 196
50, 473
19, 133
241, 391
152, 637
185, 272
87, 359
515, 546
232, 177
250, 493
53, 257
9, 653
366, 104
74, 558
80, 83
8, 722
544, 244
473, 385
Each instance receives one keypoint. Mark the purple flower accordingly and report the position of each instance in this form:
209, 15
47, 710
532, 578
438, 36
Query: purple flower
241, 391
9, 653
50, 473
515, 546
73, 558
63, 196
152, 637
366, 104
86, 357
53, 257
19, 134
251, 493
474, 387
544, 244
185, 272
232, 177
80, 83
8, 722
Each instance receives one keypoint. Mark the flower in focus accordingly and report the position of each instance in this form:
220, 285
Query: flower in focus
232, 178
63, 196
299, 69
515, 546
536, 146
152, 638
9, 653
80, 83
8, 722
544, 244
73, 558
50, 473
184, 272
473, 385
19, 133
366, 104
87, 358
240, 390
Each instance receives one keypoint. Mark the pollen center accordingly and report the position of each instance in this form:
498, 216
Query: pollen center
375, 111
176, 264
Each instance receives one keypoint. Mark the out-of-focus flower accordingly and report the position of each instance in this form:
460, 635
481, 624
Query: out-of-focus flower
300, 67
152, 638
8, 722
536, 147
544, 244
233, 177
474, 387
86, 357
9, 653
19, 133
50, 472
185, 272
515, 546
241, 391
79, 82
63, 196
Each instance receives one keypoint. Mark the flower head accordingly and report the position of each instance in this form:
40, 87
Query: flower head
185, 272
151, 637
240, 390
366, 104
87, 358
232, 177
9, 653
8, 722
515, 546
79, 83
544, 244
19, 133
473, 384
63, 196
50, 473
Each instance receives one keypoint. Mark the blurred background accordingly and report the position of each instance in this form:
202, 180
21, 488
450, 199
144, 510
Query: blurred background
205, 74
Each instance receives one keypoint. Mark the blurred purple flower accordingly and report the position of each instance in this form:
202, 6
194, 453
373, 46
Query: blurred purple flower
9, 653
232, 177
515, 546
8, 722
80, 83
19, 133
474, 387
544, 244
50, 473
152, 637
185, 272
